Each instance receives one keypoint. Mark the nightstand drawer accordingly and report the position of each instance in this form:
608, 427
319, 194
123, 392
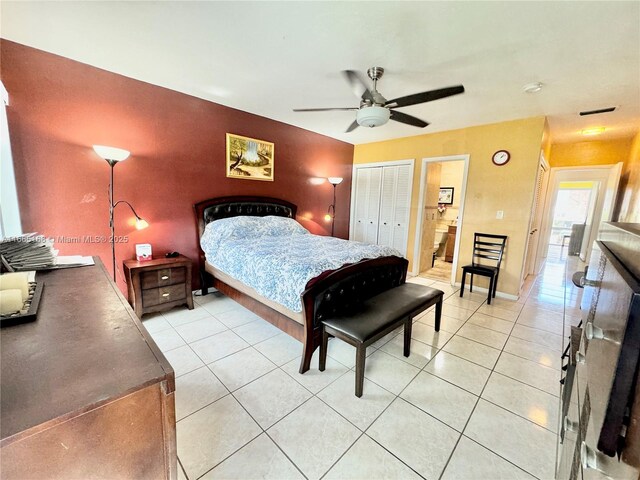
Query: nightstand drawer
162, 277
158, 296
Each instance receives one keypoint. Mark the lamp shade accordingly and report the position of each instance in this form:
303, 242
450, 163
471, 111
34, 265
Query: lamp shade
372, 116
141, 224
335, 180
111, 153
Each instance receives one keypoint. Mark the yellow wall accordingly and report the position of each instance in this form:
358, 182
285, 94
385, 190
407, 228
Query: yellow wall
628, 203
592, 152
489, 188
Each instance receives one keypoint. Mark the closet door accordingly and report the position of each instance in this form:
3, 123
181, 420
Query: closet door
372, 203
402, 208
360, 199
395, 207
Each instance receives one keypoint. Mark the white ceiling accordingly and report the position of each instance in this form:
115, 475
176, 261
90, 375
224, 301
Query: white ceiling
270, 57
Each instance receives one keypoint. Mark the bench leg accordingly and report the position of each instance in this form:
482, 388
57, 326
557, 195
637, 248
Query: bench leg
471, 284
495, 284
361, 352
438, 314
323, 350
464, 278
407, 336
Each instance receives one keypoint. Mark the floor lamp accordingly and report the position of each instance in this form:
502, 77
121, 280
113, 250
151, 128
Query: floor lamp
114, 155
331, 214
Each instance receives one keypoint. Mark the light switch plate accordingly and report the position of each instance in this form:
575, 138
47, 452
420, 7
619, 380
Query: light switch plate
500, 214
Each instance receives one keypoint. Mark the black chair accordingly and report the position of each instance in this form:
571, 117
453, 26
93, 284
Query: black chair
487, 249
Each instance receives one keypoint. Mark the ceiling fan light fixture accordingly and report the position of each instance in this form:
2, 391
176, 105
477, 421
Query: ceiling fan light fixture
372, 116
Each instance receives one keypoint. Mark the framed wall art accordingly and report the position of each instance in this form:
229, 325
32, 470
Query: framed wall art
446, 195
249, 158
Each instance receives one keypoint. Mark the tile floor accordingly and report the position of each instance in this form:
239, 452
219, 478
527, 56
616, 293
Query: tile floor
478, 400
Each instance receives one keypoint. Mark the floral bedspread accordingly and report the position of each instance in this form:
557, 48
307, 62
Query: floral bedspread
277, 257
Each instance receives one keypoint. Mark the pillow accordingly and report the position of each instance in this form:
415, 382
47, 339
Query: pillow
247, 227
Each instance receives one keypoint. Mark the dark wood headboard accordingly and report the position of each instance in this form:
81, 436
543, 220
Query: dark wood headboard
236, 206
239, 206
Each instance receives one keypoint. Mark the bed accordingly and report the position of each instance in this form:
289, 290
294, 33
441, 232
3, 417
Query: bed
337, 289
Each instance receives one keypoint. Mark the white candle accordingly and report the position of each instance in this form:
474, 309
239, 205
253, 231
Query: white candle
10, 301
15, 280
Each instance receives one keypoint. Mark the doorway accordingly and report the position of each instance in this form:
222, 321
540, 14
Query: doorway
443, 183
579, 199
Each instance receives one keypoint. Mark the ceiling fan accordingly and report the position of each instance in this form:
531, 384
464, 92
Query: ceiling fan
375, 110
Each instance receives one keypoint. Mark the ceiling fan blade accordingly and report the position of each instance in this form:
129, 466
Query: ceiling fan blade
322, 109
408, 119
424, 97
358, 85
352, 127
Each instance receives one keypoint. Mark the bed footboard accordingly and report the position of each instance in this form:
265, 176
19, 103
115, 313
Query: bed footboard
343, 291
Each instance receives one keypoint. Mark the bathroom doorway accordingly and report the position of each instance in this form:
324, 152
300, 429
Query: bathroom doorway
442, 187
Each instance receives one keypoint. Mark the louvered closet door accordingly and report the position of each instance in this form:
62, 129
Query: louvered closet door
360, 210
373, 205
395, 207
402, 208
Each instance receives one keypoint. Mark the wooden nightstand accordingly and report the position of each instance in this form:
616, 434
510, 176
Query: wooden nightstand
158, 284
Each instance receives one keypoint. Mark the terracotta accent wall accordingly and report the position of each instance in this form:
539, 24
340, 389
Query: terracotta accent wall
59, 108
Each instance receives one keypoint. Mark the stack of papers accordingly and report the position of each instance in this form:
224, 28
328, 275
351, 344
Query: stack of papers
35, 252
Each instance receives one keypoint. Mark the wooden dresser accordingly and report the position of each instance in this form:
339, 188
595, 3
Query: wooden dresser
159, 284
86, 393
451, 244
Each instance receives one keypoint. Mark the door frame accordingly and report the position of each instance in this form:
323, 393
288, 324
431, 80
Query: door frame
609, 178
420, 210
354, 181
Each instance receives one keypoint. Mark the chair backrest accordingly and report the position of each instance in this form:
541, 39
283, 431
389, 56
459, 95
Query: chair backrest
488, 248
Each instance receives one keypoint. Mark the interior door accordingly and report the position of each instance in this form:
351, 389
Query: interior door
387, 205
360, 202
536, 220
372, 203
402, 208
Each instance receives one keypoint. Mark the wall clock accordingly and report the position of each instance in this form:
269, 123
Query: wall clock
501, 157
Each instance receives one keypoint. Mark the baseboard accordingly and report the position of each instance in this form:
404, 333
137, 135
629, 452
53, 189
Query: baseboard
506, 296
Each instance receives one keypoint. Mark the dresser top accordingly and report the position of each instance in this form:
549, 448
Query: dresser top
85, 349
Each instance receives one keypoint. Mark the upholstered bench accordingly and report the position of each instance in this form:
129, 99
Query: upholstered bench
377, 317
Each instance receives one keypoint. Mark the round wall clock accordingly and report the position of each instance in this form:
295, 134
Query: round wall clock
501, 157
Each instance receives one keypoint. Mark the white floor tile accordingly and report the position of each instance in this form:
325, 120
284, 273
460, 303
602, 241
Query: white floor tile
503, 313
368, 460
535, 405
523, 443
155, 323
447, 324
181, 315
471, 461
340, 395
420, 353
256, 331
473, 351
415, 438
210, 435
216, 303
456, 312
389, 372
240, 368
426, 334
259, 459
195, 390
313, 379
483, 335
236, 317
183, 360
458, 371
542, 323
200, 329
343, 352
531, 373
271, 397
314, 437
280, 349
167, 339
532, 351
441, 399
492, 323
464, 302
218, 346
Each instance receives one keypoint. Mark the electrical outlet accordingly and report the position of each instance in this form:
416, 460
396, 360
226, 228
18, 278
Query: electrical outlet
500, 214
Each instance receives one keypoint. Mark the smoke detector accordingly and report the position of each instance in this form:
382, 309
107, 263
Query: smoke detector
532, 87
